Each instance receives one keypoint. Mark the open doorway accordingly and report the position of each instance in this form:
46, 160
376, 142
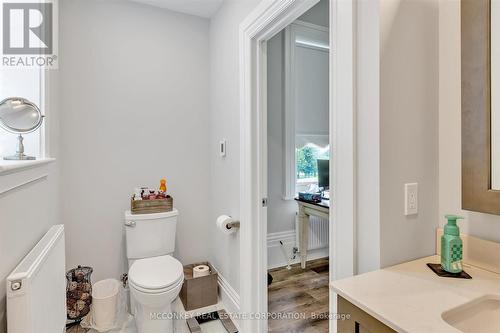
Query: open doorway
298, 155
268, 19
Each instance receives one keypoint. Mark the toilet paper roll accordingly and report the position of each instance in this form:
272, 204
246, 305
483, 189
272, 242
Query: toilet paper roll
222, 224
201, 270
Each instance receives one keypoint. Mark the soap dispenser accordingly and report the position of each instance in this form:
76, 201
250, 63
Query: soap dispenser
451, 246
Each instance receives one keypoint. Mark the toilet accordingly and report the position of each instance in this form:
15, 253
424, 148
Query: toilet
155, 277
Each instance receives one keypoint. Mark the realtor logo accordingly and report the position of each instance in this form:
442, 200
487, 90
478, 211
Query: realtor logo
28, 37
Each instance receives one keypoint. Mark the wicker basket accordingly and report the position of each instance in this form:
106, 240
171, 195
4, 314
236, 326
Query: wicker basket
152, 206
78, 292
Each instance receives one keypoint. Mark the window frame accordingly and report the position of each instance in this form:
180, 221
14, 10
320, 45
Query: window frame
305, 30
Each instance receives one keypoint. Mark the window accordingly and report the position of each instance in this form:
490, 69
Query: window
26, 83
306, 110
306, 159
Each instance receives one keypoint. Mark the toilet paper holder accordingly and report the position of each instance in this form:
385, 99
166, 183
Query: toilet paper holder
233, 224
227, 224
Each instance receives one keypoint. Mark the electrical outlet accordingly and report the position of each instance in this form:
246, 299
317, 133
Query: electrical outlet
411, 199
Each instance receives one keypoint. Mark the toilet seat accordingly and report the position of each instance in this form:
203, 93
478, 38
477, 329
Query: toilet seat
156, 275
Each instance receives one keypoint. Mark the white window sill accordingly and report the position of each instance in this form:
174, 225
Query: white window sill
15, 174
8, 167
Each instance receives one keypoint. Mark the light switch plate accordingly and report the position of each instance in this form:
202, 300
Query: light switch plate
222, 148
411, 199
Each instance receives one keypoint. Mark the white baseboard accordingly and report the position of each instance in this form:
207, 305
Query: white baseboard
231, 299
228, 296
275, 257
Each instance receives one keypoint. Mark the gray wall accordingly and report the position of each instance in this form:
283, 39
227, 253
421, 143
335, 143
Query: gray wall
319, 14
135, 110
280, 213
368, 137
408, 126
397, 131
225, 123
477, 224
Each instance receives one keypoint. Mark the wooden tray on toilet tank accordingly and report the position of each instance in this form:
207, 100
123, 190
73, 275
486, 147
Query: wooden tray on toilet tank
151, 206
200, 292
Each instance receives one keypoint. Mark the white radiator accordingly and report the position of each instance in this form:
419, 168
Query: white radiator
36, 289
318, 233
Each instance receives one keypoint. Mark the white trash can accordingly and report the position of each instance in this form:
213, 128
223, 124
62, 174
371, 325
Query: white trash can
104, 303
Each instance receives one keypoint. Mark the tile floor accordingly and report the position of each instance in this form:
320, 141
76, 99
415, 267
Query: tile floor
180, 325
296, 291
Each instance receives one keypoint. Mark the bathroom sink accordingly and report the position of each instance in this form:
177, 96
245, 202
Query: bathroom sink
481, 315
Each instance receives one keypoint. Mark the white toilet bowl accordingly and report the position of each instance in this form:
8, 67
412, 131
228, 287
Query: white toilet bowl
154, 284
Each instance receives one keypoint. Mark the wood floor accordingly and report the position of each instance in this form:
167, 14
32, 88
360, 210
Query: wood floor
301, 296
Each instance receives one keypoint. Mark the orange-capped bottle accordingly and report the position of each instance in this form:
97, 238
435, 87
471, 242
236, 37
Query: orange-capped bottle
163, 186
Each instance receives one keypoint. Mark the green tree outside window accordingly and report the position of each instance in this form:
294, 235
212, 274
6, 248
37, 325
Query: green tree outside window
306, 157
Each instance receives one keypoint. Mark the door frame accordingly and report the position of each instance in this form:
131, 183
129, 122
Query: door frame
268, 18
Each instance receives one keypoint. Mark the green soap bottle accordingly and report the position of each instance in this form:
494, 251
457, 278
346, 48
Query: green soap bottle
451, 246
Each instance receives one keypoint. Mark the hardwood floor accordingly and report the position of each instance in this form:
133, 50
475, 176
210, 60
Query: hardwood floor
298, 299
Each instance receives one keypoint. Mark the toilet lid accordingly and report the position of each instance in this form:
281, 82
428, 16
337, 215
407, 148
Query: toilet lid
156, 273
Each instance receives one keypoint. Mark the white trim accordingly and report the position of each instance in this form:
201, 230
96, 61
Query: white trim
311, 25
24, 182
19, 175
42, 132
275, 237
229, 298
342, 137
311, 45
289, 130
228, 293
9, 167
310, 35
288, 237
270, 17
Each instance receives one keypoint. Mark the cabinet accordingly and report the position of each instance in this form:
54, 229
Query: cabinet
359, 321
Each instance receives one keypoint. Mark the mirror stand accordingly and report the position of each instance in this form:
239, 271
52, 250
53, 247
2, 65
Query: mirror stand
19, 156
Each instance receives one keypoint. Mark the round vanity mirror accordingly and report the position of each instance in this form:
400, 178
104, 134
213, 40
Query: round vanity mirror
19, 116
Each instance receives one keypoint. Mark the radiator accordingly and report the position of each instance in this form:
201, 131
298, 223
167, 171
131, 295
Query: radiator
318, 233
36, 289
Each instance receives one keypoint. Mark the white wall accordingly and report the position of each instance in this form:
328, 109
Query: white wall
408, 126
28, 212
134, 110
225, 123
480, 225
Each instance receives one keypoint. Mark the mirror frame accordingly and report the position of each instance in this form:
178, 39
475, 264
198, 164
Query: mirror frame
18, 130
477, 194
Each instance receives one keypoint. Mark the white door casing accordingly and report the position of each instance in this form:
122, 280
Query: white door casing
270, 17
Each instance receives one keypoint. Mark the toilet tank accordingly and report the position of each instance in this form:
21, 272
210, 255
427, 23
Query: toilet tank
150, 235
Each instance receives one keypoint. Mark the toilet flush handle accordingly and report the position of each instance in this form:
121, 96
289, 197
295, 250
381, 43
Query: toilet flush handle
130, 224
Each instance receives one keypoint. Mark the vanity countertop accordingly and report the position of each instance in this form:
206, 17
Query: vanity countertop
411, 298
